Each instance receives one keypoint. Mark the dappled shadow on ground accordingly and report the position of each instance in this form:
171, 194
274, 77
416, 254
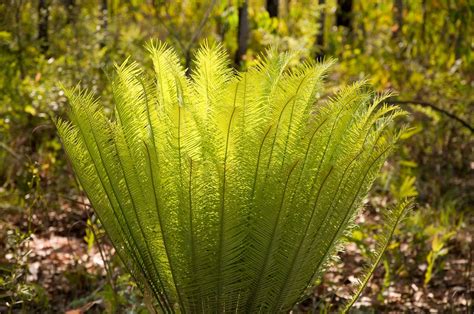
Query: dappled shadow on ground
402, 288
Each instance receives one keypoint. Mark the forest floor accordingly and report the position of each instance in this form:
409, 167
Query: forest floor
71, 275
403, 289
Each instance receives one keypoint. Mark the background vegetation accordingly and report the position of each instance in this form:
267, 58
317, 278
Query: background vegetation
53, 255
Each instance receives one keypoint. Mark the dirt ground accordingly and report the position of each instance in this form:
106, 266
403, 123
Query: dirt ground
60, 261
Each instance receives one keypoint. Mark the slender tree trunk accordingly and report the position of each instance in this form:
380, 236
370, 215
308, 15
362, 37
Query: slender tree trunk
70, 6
344, 14
272, 7
243, 33
43, 17
363, 30
458, 46
18, 36
320, 36
423, 22
397, 18
104, 22
187, 61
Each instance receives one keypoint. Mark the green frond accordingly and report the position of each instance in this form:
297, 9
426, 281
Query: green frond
390, 220
227, 191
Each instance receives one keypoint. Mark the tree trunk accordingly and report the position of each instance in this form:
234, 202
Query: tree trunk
187, 61
43, 17
272, 7
397, 18
104, 26
18, 36
70, 6
242, 34
424, 20
344, 14
320, 36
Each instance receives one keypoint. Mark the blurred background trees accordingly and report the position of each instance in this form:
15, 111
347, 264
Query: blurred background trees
421, 50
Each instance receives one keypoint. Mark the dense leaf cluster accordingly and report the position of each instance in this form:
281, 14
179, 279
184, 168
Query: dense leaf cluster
227, 191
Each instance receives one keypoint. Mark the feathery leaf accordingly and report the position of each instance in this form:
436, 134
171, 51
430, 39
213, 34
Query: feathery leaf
227, 191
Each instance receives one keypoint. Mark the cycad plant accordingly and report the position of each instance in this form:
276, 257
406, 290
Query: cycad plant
228, 191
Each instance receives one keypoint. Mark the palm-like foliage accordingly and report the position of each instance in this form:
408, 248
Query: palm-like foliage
225, 191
